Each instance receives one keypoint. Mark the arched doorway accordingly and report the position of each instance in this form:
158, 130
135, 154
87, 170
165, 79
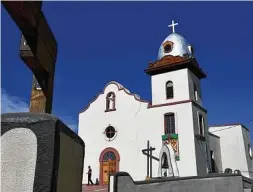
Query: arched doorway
164, 165
109, 163
167, 162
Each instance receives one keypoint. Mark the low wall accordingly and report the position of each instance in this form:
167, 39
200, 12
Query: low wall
122, 182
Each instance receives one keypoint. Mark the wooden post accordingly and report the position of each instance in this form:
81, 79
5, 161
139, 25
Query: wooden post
148, 152
38, 98
38, 50
148, 159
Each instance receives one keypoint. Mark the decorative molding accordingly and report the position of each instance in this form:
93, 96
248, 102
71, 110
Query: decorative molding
110, 110
171, 63
167, 104
120, 88
171, 135
169, 60
173, 140
109, 149
149, 104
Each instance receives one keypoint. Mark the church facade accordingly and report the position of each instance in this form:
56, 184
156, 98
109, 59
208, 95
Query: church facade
117, 125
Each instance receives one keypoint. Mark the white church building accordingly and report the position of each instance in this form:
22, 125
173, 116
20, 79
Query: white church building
117, 124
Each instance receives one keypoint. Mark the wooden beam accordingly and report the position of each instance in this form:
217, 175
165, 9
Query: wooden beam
38, 47
153, 157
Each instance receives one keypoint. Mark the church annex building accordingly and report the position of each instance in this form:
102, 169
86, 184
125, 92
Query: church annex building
120, 123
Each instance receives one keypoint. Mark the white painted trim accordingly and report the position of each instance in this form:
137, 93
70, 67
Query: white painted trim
111, 183
176, 122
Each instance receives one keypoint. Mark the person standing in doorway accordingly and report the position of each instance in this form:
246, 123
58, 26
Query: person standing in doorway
89, 176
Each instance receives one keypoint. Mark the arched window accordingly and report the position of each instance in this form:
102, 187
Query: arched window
201, 125
109, 156
165, 164
169, 121
110, 101
169, 90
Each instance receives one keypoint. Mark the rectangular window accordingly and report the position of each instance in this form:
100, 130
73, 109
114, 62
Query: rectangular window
201, 125
169, 93
169, 123
212, 161
195, 93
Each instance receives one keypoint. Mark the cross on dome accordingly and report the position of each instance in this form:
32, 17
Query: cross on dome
173, 26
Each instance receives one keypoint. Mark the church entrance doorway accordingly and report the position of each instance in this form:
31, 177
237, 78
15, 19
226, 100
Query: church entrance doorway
109, 163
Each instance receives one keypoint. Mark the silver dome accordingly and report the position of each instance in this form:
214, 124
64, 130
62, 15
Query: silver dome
180, 46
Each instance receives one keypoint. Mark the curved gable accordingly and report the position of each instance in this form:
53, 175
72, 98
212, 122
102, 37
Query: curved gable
114, 86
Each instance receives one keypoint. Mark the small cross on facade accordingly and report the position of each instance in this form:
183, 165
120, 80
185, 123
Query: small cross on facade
173, 26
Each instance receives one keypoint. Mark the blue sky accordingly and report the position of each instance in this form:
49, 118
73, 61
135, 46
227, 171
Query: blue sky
103, 41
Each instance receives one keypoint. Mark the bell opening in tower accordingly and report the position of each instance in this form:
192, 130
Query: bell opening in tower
165, 165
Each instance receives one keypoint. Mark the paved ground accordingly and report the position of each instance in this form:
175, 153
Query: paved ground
95, 188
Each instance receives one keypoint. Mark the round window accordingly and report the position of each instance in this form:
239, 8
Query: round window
167, 48
110, 132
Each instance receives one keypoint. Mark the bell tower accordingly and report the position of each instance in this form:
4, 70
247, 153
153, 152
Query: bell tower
176, 75
176, 90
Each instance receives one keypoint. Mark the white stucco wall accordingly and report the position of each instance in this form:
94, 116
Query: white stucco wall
184, 129
93, 122
234, 154
135, 123
180, 84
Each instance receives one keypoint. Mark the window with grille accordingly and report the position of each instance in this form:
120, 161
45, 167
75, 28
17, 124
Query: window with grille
169, 90
110, 132
169, 120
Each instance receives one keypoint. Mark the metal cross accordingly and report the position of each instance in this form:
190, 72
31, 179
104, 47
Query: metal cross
173, 26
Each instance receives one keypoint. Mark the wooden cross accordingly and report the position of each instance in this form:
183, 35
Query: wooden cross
173, 26
148, 153
38, 50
